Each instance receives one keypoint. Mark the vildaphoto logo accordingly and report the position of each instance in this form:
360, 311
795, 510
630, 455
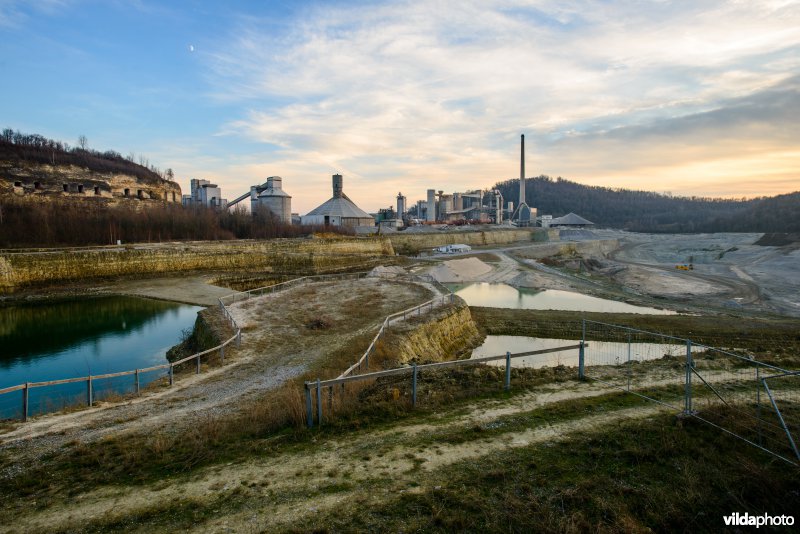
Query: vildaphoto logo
746, 520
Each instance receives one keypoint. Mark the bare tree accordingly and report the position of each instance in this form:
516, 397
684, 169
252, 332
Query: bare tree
83, 142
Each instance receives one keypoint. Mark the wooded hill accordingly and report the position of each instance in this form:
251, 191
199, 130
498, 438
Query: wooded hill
644, 211
16, 146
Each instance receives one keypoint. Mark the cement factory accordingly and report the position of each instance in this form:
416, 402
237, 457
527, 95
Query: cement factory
458, 208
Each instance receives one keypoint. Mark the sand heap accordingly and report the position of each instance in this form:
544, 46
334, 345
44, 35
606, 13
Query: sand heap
465, 270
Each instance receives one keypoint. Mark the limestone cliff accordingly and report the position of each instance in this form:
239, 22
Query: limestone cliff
278, 256
45, 182
449, 334
412, 243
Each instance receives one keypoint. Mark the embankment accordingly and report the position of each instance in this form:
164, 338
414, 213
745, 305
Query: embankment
413, 243
598, 248
280, 256
297, 257
449, 334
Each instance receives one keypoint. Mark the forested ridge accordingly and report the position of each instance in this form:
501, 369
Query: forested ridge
645, 211
16, 147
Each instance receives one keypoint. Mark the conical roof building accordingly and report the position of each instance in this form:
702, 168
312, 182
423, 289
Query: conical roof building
338, 210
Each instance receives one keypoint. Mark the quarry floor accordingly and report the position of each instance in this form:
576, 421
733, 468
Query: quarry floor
731, 275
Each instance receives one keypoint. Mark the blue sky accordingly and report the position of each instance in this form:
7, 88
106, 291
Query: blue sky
695, 98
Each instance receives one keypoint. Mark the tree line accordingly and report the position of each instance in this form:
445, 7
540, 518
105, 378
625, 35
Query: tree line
35, 148
645, 211
28, 223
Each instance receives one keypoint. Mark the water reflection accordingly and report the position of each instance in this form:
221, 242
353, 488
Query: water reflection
597, 353
505, 296
48, 341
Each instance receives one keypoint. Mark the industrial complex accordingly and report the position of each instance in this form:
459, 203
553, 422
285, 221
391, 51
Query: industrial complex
457, 208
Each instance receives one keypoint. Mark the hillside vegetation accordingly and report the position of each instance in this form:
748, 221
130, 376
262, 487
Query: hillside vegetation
19, 147
644, 211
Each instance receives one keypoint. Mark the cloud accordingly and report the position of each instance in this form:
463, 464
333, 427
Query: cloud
413, 95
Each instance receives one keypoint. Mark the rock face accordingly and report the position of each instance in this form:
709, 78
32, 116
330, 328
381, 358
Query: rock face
41, 181
451, 334
412, 243
278, 256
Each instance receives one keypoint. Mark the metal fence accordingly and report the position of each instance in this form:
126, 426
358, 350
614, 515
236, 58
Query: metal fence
321, 392
749, 399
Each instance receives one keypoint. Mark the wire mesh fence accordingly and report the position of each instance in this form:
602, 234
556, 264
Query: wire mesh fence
727, 389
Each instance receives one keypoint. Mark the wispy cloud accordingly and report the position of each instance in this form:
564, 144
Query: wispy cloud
434, 94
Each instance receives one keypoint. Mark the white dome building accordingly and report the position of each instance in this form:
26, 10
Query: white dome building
338, 210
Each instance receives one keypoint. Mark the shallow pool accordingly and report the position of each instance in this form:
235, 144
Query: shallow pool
506, 296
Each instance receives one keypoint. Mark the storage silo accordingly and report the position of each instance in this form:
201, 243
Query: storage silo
401, 205
431, 214
275, 199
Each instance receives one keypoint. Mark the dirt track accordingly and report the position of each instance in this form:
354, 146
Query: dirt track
276, 346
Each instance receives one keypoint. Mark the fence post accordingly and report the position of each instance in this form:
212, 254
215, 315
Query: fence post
222, 354
198, 364
629, 361
330, 400
414, 387
319, 404
171, 373
508, 371
687, 408
89, 390
239, 338
758, 403
309, 412
581, 352
25, 402
136, 380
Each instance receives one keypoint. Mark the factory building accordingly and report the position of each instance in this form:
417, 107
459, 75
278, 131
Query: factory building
204, 193
338, 210
272, 196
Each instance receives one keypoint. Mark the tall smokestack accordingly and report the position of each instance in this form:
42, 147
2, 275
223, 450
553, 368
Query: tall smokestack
522, 172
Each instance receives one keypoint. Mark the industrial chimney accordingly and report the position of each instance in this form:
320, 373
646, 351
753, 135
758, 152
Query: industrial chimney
522, 171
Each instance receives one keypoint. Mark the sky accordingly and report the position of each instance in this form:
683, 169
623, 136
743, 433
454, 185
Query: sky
696, 98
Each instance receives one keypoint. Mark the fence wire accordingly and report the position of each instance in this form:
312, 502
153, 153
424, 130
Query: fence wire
646, 363
730, 390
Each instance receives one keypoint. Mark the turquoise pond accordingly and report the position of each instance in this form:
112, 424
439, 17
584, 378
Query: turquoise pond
73, 338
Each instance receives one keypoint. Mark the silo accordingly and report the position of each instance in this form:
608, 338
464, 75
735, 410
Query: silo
431, 216
401, 205
445, 206
458, 202
275, 199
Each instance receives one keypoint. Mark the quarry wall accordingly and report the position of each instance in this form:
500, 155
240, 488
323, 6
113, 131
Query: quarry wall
279, 256
412, 243
450, 334
584, 248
